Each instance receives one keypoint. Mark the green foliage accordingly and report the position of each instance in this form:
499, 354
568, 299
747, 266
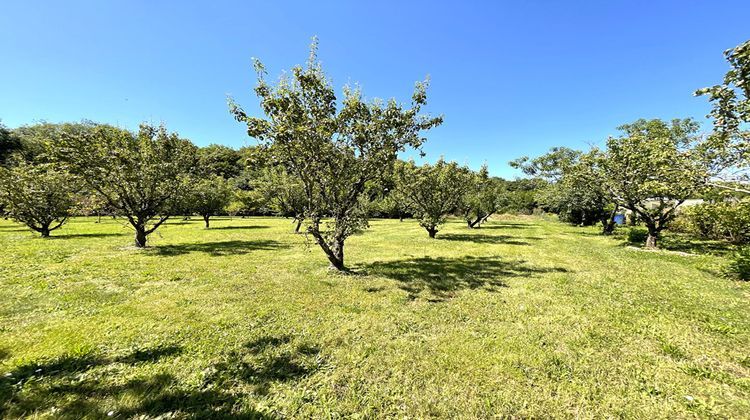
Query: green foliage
39, 196
726, 220
729, 146
637, 235
219, 160
142, 175
550, 166
739, 266
653, 168
334, 151
10, 144
484, 196
522, 196
433, 192
209, 196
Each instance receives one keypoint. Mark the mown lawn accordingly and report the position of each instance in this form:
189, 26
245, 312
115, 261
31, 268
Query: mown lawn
524, 317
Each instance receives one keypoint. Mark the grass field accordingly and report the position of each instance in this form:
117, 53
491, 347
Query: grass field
524, 317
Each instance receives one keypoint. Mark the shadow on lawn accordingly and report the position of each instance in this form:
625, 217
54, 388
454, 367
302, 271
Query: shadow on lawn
85, 235
442, 277
216, 249
81, 386
237, 227
485, 239
507, 225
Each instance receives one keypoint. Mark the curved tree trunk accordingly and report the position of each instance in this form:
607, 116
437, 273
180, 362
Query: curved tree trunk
205, 219
299, 225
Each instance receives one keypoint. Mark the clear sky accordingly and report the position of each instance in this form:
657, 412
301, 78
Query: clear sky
511, 78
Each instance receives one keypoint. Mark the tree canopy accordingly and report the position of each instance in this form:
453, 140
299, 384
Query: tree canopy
141, 175
334, 150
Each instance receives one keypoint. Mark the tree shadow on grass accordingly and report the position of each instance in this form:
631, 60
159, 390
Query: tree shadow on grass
485, 239
85, 235
443, 277
217, 249
505, 225
83, 385
695, 246
237, 227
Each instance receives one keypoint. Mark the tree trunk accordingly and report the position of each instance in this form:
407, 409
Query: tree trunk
432, 231
336, 257
653, 236
98, 217
44, 231
140, 236
299, 225
609, 224
205, 219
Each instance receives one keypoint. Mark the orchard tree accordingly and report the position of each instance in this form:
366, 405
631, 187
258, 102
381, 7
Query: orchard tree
653, 168
729, 144
39, 196
334, 150
433, 191
484, 196
209, 196
141, 175
283, 193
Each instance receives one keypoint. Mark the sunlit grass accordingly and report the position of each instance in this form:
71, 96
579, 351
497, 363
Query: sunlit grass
523, 317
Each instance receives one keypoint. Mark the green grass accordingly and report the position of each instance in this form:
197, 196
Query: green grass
524, 317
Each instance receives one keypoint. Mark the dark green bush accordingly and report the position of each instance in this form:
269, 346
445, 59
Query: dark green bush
637, 235
739, 268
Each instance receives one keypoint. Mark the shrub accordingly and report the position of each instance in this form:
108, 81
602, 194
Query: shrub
637, 235
728, 221
739, 267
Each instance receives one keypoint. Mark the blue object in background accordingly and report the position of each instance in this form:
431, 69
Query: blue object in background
620, 219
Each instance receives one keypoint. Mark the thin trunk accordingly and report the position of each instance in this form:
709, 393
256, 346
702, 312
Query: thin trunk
98, 217
299, 225
609, 223
432, 231
205, 219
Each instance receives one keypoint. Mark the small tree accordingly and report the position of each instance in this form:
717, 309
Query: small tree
210, 196
38, 196
333, 152
283, 193
141, 175
653, 168
433, 191
484, 197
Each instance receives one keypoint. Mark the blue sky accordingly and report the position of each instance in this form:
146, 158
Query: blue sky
511, 78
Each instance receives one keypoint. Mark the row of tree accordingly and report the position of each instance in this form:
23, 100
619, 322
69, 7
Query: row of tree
148, 176
655, 166
330, 161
